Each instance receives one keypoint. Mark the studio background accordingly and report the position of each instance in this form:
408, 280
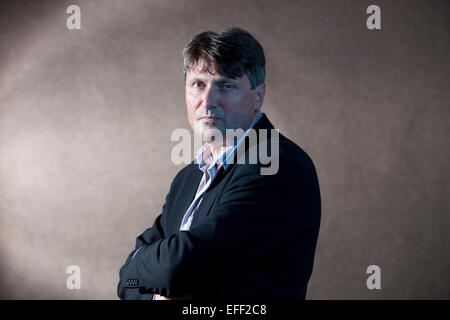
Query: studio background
86, 117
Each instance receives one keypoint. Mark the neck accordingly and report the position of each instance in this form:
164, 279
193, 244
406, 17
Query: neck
216, 149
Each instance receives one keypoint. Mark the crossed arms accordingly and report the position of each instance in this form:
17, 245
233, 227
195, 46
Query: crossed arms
256, 214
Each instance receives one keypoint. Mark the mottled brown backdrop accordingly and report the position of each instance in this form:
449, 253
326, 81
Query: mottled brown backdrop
86, 117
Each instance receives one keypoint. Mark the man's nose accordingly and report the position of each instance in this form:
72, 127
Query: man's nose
210, 98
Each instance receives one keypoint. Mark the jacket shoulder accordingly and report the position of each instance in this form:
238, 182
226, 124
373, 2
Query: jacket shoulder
292, 155
190, 171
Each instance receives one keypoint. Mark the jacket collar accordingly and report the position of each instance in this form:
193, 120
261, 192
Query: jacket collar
205, 160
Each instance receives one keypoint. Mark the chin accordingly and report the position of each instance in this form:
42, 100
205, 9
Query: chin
209, 132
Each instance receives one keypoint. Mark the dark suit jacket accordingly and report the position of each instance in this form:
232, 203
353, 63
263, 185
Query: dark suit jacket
253, 236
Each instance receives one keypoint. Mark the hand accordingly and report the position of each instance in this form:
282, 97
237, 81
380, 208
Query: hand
159, 297
185, 297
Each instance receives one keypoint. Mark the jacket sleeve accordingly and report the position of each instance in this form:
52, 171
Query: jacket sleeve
157, 232
257, 214
150, 235
154, 233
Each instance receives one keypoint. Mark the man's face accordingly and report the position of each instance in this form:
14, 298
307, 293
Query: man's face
216, 102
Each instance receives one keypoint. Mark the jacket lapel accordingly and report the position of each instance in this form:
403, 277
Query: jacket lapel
221, 180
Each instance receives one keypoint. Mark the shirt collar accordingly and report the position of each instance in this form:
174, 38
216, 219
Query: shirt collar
204, 156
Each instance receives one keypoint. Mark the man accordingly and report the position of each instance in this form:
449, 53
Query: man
228, 231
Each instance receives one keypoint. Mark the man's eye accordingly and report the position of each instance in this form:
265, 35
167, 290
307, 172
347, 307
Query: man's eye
227, 86
197, 84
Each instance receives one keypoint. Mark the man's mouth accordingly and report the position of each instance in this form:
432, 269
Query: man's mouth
209, 118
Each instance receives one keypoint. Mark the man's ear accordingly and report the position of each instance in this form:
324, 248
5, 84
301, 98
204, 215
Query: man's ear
260, 92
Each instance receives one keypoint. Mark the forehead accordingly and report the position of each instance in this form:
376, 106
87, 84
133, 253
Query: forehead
206, 75
209, 72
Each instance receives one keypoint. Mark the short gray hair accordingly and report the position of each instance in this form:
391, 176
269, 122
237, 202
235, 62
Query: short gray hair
233, 51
